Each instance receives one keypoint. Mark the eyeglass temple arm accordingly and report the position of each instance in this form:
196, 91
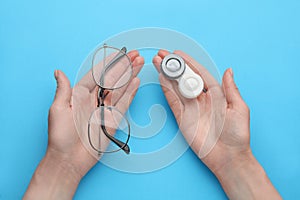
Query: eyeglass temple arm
106, 68
119, 143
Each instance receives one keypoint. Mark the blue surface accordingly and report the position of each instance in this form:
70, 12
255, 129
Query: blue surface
259, 39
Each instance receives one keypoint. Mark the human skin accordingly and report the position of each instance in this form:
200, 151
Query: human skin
67, 160
230, 159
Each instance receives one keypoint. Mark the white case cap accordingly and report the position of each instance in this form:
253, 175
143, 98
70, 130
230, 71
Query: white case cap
190, 84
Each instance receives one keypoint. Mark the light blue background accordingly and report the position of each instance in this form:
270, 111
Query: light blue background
259, 39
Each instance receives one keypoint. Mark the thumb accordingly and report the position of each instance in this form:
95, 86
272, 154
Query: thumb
63, 90
231, 91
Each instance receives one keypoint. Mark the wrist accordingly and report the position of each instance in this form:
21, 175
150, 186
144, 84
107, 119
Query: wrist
60, 165
237, 164
54, 178
244, 177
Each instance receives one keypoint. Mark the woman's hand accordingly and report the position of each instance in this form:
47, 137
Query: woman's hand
216, 125
67, 159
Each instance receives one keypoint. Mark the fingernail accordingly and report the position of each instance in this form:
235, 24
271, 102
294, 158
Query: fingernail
56, 73
231, 72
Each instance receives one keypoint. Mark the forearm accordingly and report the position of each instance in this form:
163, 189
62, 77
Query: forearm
244, 178
53, 179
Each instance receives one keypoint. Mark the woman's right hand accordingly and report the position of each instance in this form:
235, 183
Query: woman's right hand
217, 126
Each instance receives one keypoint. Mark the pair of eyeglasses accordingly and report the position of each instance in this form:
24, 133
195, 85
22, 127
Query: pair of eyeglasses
108, 128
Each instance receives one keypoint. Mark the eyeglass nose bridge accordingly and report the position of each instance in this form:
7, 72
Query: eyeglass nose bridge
102, 93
